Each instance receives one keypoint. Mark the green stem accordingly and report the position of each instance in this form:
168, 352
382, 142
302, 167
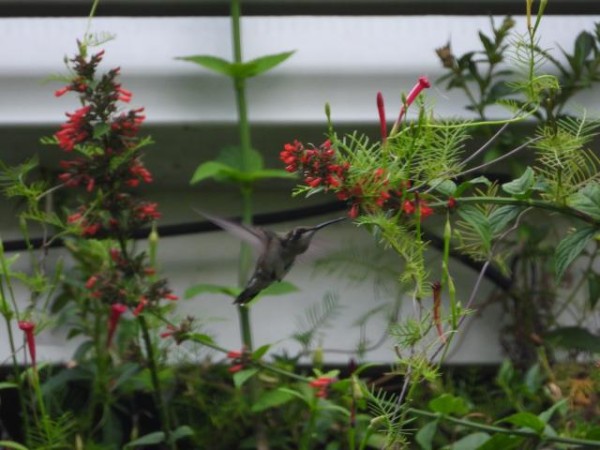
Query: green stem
160, 405
307, 435
540, 204
17, 376
500, 430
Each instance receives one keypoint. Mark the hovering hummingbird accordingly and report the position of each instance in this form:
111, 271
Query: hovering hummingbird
277, 253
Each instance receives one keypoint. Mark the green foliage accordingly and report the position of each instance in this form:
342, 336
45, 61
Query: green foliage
244, 70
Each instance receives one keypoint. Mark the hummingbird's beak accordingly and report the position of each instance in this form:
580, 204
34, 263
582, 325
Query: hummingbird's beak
329, 222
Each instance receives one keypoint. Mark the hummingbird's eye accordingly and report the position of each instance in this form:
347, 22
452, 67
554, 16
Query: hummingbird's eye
297, 233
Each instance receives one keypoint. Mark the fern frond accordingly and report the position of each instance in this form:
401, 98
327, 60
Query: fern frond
54, 433
565, 165
412, 250
441, 154
316, 318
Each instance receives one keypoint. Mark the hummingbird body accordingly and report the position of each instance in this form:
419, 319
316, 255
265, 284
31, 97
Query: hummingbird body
277, 253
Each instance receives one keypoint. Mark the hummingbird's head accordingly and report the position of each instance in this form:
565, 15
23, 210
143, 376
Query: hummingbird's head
300, 237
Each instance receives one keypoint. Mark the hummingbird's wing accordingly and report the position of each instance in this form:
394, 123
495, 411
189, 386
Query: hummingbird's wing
254, 236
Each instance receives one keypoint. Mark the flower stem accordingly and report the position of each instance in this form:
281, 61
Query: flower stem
160, 405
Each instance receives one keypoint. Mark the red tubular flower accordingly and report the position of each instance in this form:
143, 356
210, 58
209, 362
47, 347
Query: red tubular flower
62, 91
237, 359
437, 306
29, 328
425, 210
75, 130
381, 112
451, 203
422, 83
147, 211
116, 311
354, 211
140, 307
124, 95
235, 368
408, 207
171, 330
234, 354
91, 282
321, 384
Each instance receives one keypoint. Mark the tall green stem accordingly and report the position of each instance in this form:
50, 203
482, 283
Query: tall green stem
245, 146
246, 193
160, 405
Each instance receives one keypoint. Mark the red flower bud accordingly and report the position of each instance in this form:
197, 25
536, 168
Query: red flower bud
381, 112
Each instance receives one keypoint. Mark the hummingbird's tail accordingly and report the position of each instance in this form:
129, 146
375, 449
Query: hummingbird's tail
245, 296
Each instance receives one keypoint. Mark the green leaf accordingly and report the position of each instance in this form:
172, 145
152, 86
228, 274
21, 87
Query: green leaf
593, 289
269, 173
207, 288
272, 399
471, 442
101, 130
502, 216
570, 248
584, 44
449, 404
181, 432
522, 186
424, 436
575, 338
260, 351
201, 338
239, 378
213, 169
462, 187
480, 224
281, 288
587, 200
534, 379
13, 445
445, 187
502, 442
149, 439
546, 415
8, 385
213, 63
260, 65
127, 370
233, 157
526, 420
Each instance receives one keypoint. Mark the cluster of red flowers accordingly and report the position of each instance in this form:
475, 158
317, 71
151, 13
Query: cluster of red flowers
107, 164
323, 167
318, 166
103, 136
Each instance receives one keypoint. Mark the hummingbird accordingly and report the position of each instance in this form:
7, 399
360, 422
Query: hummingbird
277, 252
